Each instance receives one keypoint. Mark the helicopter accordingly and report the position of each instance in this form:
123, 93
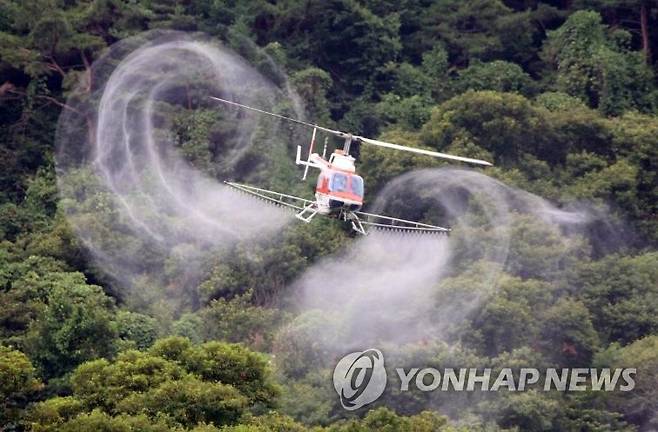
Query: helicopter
339, 189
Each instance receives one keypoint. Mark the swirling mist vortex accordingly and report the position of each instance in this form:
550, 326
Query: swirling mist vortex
130, 188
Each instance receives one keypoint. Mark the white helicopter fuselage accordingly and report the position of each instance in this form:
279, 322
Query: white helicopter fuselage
338, 186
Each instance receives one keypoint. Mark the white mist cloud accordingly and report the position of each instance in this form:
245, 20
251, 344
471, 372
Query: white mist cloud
384, 290
119, 143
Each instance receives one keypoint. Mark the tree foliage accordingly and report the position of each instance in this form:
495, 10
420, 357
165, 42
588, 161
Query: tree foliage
561, 96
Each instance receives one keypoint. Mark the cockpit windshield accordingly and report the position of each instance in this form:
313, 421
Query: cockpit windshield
338, 182
346, 183
357, 185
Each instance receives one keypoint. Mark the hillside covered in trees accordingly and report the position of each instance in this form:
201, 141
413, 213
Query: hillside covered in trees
562, 96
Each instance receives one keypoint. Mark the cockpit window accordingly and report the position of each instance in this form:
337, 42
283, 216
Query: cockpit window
357, 185
338, 182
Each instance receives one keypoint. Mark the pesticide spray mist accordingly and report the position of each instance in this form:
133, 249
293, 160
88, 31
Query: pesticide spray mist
387, 288
144, 205
134, 194
413, 296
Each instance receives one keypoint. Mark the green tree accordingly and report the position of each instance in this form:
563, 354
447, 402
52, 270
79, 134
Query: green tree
479, 29
505, 124
76, 325
567, 335
638, 405
97, 420
266, 423
341, 36
636, 16
558, 101
312, 84
599, 68
18, 383
633, 134
529, 410
266, 268
25, 285
227, 363
621, 293
540, 250
135, 330
296, 347
497, 75
175, 384
508, 320
188, 401
384, 419
237, 320
408, 113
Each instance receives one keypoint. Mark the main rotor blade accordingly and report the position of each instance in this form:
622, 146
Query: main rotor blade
358, 138
335, 132
421, 151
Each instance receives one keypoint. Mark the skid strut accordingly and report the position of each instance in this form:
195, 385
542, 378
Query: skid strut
310, 209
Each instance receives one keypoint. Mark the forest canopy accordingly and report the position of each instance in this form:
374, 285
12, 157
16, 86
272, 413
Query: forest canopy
562, 96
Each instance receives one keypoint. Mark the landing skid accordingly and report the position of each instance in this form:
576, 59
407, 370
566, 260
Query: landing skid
361, 222
355, 222
307, 213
